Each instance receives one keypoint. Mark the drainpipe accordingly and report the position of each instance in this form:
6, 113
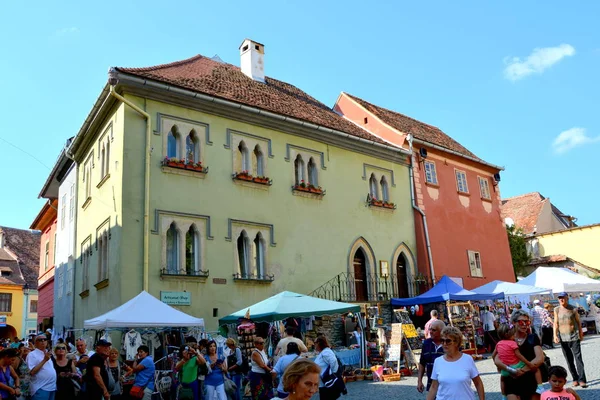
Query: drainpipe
144, 114
414, 205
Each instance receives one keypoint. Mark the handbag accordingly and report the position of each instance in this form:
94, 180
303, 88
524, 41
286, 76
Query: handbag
230, 387
137, 392
333, 384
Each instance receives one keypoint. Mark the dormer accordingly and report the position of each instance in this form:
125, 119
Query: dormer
252, 63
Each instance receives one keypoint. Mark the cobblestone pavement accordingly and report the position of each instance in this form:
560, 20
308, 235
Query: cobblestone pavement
406, 388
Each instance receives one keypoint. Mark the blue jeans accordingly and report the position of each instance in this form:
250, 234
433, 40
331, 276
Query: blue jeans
43, 395
237, 379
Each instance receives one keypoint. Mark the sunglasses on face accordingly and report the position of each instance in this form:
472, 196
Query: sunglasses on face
446, 341
522, 322
61, 348
41, 340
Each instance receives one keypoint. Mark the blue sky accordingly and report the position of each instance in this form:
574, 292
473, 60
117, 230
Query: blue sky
515, 82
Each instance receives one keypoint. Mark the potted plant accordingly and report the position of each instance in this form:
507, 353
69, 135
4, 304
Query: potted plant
261, 179
174, 162
196, 166
244, 175
375, 202
387, 204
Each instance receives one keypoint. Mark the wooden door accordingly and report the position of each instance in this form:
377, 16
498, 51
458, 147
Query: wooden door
402, 276
360, 276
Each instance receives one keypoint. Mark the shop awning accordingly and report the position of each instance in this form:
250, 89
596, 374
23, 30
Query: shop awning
289, 304
445, 289
143, 311
509, 289
561, 280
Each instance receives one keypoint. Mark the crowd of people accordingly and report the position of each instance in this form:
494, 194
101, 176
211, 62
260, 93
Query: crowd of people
518, 353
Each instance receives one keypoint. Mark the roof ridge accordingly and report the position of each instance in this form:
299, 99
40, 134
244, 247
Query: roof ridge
168, 65
524, 195
395, 112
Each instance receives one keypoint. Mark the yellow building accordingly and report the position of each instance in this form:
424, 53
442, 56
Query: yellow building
575, 248
220, 187
19, 255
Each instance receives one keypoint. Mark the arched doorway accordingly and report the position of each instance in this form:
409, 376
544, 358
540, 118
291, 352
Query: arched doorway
402, 276
360, 275
8, 332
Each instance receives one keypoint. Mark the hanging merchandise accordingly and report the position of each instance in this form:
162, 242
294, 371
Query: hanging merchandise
131, 341
465, 317
151, 340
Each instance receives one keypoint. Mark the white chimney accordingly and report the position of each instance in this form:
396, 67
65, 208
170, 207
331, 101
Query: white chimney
252, 63
1, 240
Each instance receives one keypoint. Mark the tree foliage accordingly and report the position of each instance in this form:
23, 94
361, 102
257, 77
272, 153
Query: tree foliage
518, 249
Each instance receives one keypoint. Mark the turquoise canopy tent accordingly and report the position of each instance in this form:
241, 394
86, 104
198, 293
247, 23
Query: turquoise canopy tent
289, 304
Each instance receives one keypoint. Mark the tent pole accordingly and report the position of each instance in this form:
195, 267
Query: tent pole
363, 342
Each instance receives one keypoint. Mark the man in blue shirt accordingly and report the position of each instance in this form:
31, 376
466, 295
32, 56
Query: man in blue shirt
432, 349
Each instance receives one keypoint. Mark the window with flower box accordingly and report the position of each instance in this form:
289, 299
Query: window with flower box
379, 192
182, 146
249, 162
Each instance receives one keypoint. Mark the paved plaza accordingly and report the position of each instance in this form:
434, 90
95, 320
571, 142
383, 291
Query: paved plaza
406, 388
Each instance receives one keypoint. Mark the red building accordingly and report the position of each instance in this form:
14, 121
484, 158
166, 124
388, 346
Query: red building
46, 223
456, 198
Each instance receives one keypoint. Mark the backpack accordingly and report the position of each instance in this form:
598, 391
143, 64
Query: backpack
245, 367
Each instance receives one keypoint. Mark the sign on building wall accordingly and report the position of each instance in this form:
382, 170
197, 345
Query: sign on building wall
176, 298
2, 321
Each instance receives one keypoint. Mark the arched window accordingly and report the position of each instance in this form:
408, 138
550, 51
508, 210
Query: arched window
244, 157
299, 169
312, 172
172, 249
192, 148
373, 187
258, 251
260, 166
385, 189
102, 161
107, 158
243, 248
192, 251
173, 143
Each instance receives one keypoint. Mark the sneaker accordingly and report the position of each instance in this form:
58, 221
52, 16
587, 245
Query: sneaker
583, 384
540, 389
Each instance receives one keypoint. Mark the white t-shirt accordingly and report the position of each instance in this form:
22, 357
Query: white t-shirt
131, 341
45, 379
454, 378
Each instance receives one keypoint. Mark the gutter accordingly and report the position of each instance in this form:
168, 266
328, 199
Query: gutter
117, 76
456, 153
69, 155
416, 207
146, 116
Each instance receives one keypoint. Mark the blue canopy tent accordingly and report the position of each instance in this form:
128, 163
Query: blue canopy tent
446, 289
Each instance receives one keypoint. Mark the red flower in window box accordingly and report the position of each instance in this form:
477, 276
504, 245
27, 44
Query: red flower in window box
244, 175
196, 166
315, 189
262, 180
173, 162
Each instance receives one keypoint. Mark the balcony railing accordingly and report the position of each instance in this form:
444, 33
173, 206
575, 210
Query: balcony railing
348, 287
183, 272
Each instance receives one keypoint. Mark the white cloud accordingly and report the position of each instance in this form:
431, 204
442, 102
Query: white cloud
572, 138
537, 62
65, 32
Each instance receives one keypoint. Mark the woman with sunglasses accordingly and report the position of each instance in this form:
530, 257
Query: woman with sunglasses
261, 382
65, 372
522, 385
453, 372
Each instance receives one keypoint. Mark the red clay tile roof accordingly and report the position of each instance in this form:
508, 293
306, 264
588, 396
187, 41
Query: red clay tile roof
418, 129
525, 210
25, 244
204, 75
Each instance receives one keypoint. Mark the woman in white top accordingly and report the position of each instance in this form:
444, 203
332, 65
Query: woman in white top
261, 382
453, 372
327, 361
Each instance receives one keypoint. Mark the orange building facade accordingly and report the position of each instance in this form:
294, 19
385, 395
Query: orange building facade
456, 192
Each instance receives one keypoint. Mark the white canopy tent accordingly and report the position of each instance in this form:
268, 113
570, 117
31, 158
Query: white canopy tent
561, 280
509, 289
143, 311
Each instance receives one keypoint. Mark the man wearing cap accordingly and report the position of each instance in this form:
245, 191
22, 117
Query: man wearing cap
43, 375
568, 332
96, 377
537, 318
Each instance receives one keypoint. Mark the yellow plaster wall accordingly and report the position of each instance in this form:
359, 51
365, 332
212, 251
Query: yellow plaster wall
580, 244
15, 317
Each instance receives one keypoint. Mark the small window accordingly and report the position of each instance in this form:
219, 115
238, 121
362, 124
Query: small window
243, 250
192, 148
475, 264
173, 143
72, 203
260, 161
173, 249
244, 157
430, 173
87, 177
366, 120
312, 173
484, 188
63, 211
5, 302
192, 251
85, 261
47, 256
299, 170
385, 189
373, 187
259, 256
103, 256
461, 182
33, 306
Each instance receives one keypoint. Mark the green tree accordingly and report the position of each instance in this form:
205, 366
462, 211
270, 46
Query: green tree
518, 249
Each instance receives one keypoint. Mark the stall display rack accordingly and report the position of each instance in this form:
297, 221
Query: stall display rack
466, 319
